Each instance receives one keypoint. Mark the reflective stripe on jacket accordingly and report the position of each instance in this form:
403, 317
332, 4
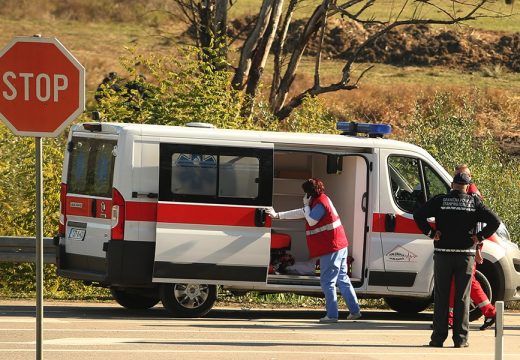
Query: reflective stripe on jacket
327, 235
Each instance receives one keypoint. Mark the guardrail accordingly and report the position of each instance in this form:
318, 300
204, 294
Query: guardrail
23, 249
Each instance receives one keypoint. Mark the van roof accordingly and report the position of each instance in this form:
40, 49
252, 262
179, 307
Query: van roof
278, 138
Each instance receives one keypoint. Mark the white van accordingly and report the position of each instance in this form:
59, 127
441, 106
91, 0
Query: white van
166, 213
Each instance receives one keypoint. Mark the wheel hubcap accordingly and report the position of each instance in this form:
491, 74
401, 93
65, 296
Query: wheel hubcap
191, 296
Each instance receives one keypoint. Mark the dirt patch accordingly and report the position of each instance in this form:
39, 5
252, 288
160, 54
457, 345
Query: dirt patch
412, 45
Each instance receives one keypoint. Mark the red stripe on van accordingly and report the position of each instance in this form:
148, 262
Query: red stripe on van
207, 215
141, 211
82, 206
402, 224
79, 206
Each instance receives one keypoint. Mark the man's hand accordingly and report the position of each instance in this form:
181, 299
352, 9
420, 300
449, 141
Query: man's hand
273, 214
306, 200
437, 236
475, 239
478, 256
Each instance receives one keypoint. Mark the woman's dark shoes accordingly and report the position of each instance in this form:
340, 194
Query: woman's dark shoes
489, 321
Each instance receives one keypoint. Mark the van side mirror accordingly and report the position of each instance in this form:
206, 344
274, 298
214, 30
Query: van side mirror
334, 164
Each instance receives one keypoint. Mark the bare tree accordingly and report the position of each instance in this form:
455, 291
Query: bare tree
270, 31
209, 21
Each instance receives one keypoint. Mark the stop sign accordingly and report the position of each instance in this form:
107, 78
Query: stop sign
41, 86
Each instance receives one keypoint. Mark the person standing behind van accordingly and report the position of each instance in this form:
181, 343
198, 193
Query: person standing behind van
327, 240
477, 295
456, 216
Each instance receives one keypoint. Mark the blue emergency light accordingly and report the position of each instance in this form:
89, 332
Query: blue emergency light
372, 130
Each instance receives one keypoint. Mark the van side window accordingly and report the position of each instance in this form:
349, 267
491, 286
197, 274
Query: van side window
210, 174
91, 167
405, 180
231, 168
434, 184
407, 177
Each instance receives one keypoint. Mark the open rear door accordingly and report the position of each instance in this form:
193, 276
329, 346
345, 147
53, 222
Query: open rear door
211, 227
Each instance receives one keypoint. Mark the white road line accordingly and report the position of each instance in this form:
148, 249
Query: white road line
153, 341
259, 351
277, 330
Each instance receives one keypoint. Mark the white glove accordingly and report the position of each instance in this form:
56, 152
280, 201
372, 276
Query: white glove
273, 214
306, 200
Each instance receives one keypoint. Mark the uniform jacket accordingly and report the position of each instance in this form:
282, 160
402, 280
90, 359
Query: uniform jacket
456, 216
328, 235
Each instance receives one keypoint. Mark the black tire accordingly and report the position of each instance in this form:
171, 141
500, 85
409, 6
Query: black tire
474, 311
188, 300
133, 300
407, 305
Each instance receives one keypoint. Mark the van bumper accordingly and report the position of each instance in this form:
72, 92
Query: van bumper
127, 264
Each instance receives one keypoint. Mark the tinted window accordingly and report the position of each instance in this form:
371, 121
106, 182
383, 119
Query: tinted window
91, 167
213, 174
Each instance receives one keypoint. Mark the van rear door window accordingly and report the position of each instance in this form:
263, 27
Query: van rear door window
91, 166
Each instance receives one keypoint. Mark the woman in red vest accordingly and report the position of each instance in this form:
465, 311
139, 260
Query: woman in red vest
327, 240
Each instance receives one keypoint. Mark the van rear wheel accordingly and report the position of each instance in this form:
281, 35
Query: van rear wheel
188, 300
133, 300
407, 305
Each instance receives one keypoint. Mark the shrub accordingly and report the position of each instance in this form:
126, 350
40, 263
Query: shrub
450, 132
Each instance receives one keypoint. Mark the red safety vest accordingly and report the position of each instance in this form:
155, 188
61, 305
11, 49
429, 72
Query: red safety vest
327, 235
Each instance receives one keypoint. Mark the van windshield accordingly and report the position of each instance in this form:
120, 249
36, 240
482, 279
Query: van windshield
91, 166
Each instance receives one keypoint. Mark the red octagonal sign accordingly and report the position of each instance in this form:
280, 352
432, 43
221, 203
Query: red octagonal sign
42, 87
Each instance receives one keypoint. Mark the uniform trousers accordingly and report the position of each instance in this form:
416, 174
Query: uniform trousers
333, 272
460, 267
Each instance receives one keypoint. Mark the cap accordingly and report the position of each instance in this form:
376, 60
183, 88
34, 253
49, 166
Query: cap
462, 179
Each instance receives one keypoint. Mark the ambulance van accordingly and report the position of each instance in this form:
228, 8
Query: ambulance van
172, 214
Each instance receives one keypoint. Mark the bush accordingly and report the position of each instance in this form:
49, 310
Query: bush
450, 132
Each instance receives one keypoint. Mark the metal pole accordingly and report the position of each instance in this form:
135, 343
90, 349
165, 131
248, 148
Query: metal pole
39, 248
499, 330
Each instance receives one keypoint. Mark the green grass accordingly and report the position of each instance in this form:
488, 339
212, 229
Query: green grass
499, 16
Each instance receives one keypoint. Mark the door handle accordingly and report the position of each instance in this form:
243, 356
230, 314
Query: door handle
364, 202
390, 222
260, 216
94, 208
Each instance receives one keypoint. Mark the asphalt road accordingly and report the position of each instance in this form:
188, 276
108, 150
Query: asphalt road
82, 331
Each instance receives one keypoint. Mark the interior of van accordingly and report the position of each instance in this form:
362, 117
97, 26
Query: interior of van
345, 178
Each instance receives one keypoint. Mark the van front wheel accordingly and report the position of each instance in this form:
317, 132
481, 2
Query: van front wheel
188, 300
407, 305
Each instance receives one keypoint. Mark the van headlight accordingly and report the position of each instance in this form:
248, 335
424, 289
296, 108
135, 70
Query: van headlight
504, 237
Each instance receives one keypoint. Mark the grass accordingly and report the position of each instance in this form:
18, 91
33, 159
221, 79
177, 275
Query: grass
499, 15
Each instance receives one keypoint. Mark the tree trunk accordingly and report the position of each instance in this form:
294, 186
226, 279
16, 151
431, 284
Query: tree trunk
247, 53
312, 26
260, 58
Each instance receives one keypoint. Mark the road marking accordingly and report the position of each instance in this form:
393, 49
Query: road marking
274, 351
277, 330
144, 341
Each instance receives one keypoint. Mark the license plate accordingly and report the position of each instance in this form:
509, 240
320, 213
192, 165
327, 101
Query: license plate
77, 234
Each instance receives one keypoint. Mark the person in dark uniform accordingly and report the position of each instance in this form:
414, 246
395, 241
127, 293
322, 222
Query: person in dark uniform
456, 216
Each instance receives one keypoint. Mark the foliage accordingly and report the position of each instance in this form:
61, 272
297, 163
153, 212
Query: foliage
17, 184
450, 132
313, 116
172, 90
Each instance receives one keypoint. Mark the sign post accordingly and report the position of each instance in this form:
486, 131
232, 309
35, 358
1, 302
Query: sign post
42, 90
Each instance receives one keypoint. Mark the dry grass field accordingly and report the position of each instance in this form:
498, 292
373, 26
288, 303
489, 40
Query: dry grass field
99, 32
